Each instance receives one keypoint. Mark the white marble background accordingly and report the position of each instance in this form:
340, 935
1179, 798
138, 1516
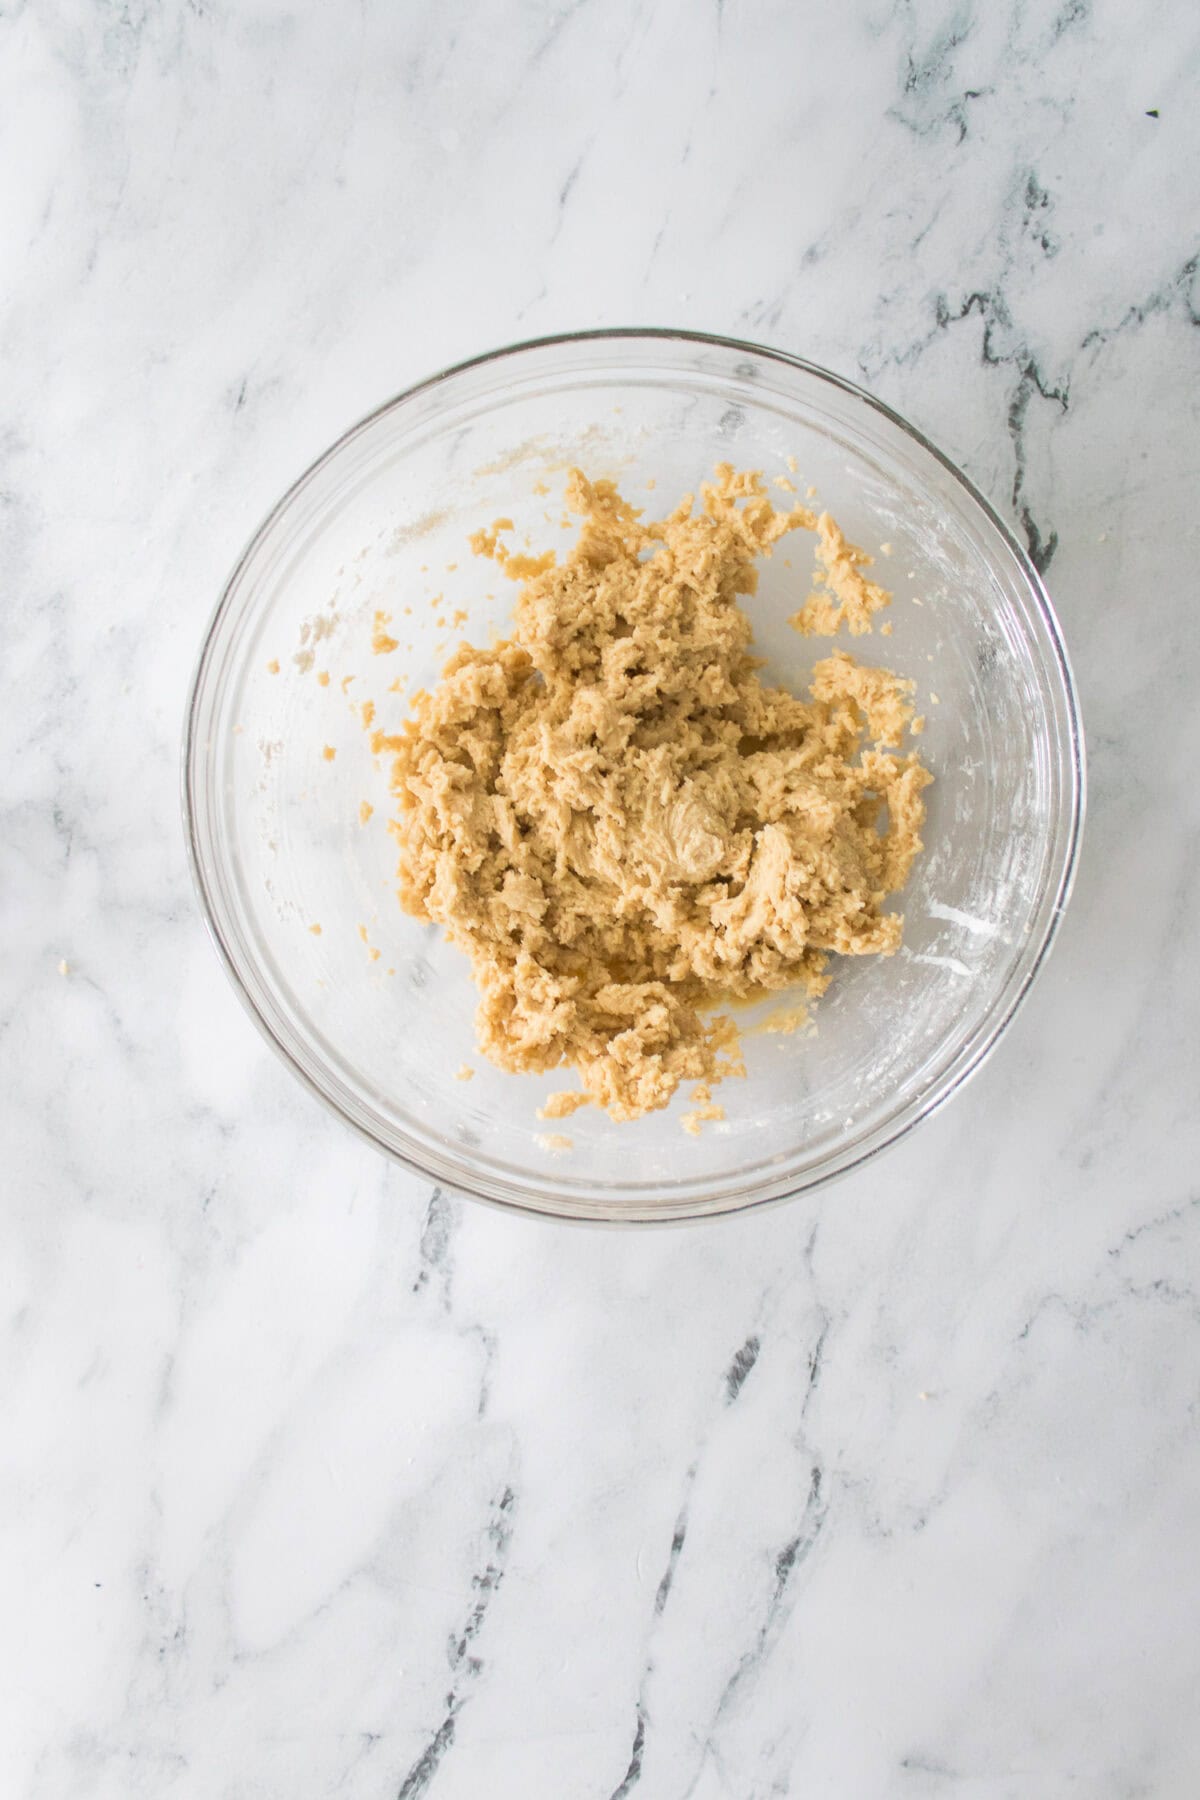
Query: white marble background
312, 1484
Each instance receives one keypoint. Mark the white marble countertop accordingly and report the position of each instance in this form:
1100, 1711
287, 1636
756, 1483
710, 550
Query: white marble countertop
314, 1484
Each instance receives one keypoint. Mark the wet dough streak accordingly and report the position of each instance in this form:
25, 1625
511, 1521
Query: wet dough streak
620, 823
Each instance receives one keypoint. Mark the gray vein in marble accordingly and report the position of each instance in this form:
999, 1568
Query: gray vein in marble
925, 106
736, 1376
1003, 345
741, 1366
678, 1537
1176, 290
788, 1561
434, 1247
465, 1666
633, 1773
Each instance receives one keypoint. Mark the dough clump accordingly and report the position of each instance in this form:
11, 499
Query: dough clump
622, 825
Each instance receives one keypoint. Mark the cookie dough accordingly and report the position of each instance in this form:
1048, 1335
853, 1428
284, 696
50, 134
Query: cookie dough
622, 825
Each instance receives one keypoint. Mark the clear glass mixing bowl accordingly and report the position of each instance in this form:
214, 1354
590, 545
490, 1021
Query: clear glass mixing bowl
374, 1011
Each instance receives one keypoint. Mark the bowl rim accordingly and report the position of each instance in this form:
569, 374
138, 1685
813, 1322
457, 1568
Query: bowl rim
689, 1210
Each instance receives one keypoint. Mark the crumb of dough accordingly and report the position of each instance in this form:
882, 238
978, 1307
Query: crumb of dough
563, 1104
934, 701
273, 666
382, 643
523, 568
785, 1021
366, 713
465, 1073
458, 616
304, 660
516, 566
725, 1039
541, 487
486, 541
64, 967
841, 592
623, 826
323, 677
365, 809
792, 464
783, 484
328, 752
346, 680
702, 1110
700, 1115
554, 1142
316, 930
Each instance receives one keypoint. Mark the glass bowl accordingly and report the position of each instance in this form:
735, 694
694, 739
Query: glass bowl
372, 1009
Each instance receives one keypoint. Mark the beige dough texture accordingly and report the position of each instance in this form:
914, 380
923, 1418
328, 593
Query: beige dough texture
622, 825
